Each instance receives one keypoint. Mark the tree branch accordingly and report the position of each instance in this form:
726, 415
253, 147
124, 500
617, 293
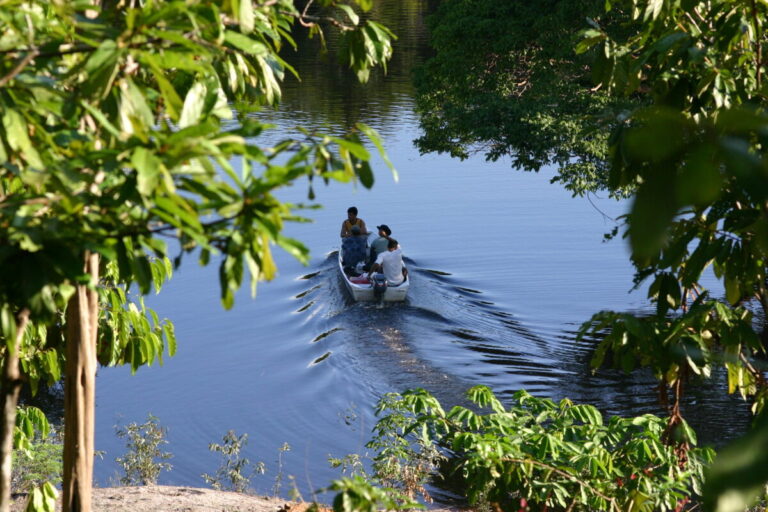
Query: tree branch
23, 62
569, 476
758, 46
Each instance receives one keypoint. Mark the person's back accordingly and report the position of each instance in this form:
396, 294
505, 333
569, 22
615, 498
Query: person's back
390, 263
353, 248
379, 245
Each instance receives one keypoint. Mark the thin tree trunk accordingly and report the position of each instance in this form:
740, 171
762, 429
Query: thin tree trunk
80, 392
11, 386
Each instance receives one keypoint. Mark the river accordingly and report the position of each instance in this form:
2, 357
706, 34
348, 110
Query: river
504, 269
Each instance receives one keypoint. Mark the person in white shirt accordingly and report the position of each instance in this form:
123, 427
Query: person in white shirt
379, 245
390, 263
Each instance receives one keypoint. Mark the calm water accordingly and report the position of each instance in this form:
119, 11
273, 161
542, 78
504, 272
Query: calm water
504, 269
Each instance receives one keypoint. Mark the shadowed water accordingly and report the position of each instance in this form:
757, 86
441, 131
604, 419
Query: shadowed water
504, 268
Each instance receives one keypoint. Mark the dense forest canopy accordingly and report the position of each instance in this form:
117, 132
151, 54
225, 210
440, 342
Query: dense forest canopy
505, 81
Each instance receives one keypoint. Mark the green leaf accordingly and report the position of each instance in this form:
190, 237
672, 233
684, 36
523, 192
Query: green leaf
365, 5
351, 14
652, 211
374, 137
53, 366
247, 17
170, 336
353, 147
135, 115
253, 269
176, 212
193, 105
102, 119
699, 181
17, 135
653, 9
101, 68
245, 43
172, 100
733, 291
365, 173
147, 166
739, 473
8, 324
142, 272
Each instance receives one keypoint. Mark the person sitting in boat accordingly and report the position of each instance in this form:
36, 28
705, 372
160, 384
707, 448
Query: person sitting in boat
390, 263
352, 220
380, 244
353, 248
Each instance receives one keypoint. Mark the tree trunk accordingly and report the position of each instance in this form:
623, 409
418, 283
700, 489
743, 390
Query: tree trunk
80, 391
10, 388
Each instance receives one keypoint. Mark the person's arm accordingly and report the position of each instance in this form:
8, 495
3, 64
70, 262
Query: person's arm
344, 232
363, 229
377, 264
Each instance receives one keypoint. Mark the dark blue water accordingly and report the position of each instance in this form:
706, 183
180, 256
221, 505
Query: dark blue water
504, 269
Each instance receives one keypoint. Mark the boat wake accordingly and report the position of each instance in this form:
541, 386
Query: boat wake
445, 337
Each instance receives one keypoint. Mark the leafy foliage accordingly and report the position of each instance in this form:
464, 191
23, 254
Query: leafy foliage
402, 462
131, 333
41, 462
42, 499
697, 154
119, 131
355, 494
706, 335
37, 459
143, 461
149, 99
737, 479
548, 454
233, 474
504, 81
351, 465
30, 423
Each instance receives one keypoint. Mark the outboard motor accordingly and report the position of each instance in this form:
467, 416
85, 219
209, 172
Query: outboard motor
379, 286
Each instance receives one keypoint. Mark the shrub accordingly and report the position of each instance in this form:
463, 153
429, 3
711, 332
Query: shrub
540, 453
233, 473
142, 463
38, 451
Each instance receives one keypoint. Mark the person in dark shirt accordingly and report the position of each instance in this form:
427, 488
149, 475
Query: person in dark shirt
353, 248
380, 244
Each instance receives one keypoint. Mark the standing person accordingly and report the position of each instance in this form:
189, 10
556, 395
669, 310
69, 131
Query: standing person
352, 220
390, 263
380, 244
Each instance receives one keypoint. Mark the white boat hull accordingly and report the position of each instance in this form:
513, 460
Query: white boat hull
361, 289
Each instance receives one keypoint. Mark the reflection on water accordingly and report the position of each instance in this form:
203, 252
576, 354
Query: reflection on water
328, 96
504, 267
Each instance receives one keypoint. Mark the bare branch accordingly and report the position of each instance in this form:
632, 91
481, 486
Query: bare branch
24, 62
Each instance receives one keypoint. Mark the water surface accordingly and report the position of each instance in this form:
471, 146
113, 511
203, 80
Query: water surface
504, 269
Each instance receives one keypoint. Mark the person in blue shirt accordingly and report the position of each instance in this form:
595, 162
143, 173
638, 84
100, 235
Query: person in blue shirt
353, 248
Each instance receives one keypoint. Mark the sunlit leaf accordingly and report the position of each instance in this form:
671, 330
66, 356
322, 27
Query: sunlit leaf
738, 474
147, 166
